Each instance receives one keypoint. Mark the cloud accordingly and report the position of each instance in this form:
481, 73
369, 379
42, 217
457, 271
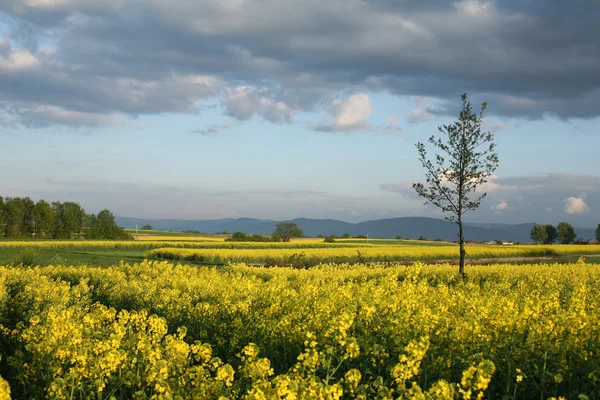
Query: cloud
501, 206
494, 127
576, 205
418, 115
110, 57
15, 60
405, 189
348, 115
173, 201
539, 198
213, 129
390, 126
243, 102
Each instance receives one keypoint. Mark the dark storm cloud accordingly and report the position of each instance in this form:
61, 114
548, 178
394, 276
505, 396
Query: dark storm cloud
527, 59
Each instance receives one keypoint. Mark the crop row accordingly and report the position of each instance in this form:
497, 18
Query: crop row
313, 256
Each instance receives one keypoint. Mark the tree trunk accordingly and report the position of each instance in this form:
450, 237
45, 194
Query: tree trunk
461, 265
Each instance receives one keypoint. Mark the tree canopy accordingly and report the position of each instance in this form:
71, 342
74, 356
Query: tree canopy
284, 231
22, 217
566, 233
465, 161
538, 234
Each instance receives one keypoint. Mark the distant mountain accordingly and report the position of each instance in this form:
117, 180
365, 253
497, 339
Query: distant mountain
407, 227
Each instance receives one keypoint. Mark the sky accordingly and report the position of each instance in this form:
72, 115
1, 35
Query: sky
280, 109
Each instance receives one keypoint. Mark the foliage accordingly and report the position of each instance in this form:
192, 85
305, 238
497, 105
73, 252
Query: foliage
551, 234
21, 217
466, 161
103, 226
43, 217
13, 214
329, 239
146, 227
287, 230
1, 211
28, 257
242, 237
158, 331
69, 218
597, 233
566, 233
538, 234
422, 238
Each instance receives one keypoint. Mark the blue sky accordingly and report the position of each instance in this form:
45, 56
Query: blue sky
256, 109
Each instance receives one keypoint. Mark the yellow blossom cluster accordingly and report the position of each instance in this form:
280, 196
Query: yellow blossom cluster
157, 330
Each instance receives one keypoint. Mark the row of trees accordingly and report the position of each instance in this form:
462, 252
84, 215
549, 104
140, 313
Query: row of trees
284, 231
22, 217
564, 233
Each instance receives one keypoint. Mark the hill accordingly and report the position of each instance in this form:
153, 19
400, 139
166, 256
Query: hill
407, 227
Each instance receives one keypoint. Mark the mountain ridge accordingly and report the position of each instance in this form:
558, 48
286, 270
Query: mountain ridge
407, 227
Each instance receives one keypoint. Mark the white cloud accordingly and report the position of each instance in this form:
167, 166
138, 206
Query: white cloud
349, 114
576, 205
475, 8
501, 206
418, 115
16, 59
487, 125
243, 102
41, 116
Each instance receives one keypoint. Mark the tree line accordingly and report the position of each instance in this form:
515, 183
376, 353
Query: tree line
563, 233
284, 232
24, 218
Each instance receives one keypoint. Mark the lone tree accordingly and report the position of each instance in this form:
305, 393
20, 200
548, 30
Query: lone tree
146, 228
466, 161
287, 230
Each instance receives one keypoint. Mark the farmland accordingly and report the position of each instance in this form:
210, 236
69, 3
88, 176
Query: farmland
159, 330
207, 319
374, 253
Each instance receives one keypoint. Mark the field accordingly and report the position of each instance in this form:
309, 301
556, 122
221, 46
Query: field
370, 253
111, 252
159, 330
97, 319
